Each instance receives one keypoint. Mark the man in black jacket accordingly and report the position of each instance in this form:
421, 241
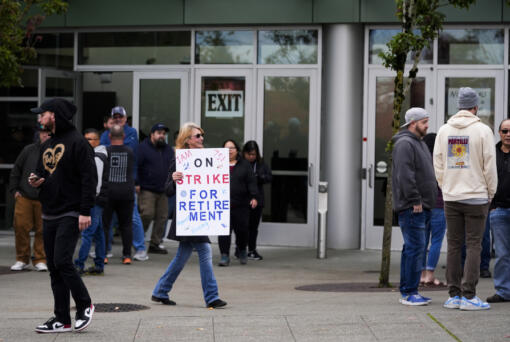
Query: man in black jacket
500, 218
67, 178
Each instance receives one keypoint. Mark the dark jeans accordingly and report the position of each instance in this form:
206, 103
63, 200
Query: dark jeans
124, 210
60, 238
413, 227
239, 219
253, 227
465, 222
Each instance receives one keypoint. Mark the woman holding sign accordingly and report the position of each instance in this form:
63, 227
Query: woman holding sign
243, 193
190, 136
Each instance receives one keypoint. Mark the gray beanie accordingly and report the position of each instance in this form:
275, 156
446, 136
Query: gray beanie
468, 98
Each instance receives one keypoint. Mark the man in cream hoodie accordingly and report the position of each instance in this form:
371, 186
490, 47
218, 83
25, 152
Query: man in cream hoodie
465, 167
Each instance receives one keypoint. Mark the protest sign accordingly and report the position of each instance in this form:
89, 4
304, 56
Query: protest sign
203, 194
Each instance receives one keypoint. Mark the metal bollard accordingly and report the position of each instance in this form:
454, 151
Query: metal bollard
323, 210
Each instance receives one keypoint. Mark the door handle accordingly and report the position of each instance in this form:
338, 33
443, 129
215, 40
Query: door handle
310, 169
370, 176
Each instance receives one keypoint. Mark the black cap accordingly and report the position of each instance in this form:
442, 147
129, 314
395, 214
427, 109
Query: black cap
159, 127
58, 106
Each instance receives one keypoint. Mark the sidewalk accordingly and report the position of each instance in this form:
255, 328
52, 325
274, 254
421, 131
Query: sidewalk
263, 304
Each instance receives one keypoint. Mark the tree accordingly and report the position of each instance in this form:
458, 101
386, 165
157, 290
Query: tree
18, 21
421, 22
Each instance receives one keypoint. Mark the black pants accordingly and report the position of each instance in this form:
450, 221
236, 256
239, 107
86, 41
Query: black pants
239, 218
253, 227
124, 210
60, 237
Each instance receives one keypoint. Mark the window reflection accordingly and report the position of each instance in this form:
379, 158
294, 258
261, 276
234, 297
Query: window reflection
224, 47
54, 50
29, 80
475, 46
377, 44
287, 47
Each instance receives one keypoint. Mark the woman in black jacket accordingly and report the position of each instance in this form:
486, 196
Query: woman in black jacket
190, 136
243, 192
263, 174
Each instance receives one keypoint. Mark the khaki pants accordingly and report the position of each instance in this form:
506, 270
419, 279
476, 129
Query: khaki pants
153, 206
464, 222
28, 215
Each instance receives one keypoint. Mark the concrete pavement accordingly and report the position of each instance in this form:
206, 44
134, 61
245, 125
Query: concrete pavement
263, 304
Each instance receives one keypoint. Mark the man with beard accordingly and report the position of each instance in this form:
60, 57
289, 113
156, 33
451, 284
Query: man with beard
154, 156
67, 178
465, 166
414, 195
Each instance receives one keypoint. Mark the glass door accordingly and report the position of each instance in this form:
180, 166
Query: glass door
378, 132
288, 132
160, 97
487, 83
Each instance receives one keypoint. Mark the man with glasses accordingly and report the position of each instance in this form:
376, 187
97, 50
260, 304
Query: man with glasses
465, 166
119, 117
500, 218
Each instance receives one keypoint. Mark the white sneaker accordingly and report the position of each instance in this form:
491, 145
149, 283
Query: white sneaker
41, 267
161, 246
92, 254
474, 303
19, 266
141, 256
109, 255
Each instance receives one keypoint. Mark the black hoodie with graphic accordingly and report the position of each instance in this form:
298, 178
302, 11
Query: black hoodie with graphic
67, 165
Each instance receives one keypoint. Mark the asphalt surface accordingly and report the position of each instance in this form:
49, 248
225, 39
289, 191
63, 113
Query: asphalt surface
263, 304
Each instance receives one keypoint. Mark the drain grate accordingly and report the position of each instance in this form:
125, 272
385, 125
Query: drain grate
119, 307
7, 270
359, 287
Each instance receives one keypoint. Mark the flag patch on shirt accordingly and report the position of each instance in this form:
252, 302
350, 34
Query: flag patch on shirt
458, 152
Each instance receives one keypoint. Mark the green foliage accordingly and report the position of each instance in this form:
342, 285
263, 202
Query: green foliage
17, 36
421, 22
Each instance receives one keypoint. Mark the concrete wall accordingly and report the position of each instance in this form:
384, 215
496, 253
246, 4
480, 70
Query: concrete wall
342, 131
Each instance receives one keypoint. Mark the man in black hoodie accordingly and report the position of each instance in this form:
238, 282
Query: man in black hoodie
67, 178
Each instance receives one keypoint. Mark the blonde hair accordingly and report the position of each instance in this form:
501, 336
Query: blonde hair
185, 134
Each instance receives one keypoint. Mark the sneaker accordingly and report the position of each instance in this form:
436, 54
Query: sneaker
141, 255
429, 300
243, 258
165, 301
19, 266
413, 300
253, 255
80, 271
473, 304
92, 254
496, 299
41, 267
126, 261
224, 261
84, 318
109, 254
485, 274
218, 303
452, 303
53, 326
106, 261
94, 271
157, 250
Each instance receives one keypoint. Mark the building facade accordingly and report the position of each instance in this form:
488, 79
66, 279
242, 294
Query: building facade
301, 77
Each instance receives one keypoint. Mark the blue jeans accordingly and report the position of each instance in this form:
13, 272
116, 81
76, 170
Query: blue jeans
209, 285
434, 232
500, 225
413, 227
95, 231
138, 232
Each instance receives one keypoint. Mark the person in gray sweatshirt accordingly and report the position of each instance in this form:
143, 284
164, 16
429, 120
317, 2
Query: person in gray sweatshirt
414, 195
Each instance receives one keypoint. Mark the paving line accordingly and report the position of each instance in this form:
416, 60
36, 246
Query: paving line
290, 330
444, 328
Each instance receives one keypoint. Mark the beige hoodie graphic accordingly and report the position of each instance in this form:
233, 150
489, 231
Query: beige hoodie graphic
465, 158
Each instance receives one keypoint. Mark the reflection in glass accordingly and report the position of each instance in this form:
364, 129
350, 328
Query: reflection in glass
160, 101
486, 89
17, 129
224, 47
222, 109
377, 43
475, 46
59, 87
286, 126
54, 50
134, 48
29, 80
383, 132
288, 47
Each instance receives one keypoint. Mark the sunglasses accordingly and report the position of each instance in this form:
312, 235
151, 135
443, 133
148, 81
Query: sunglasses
505, 131
198, 136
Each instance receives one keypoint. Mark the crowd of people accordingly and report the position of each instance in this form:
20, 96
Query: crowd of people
457, 181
